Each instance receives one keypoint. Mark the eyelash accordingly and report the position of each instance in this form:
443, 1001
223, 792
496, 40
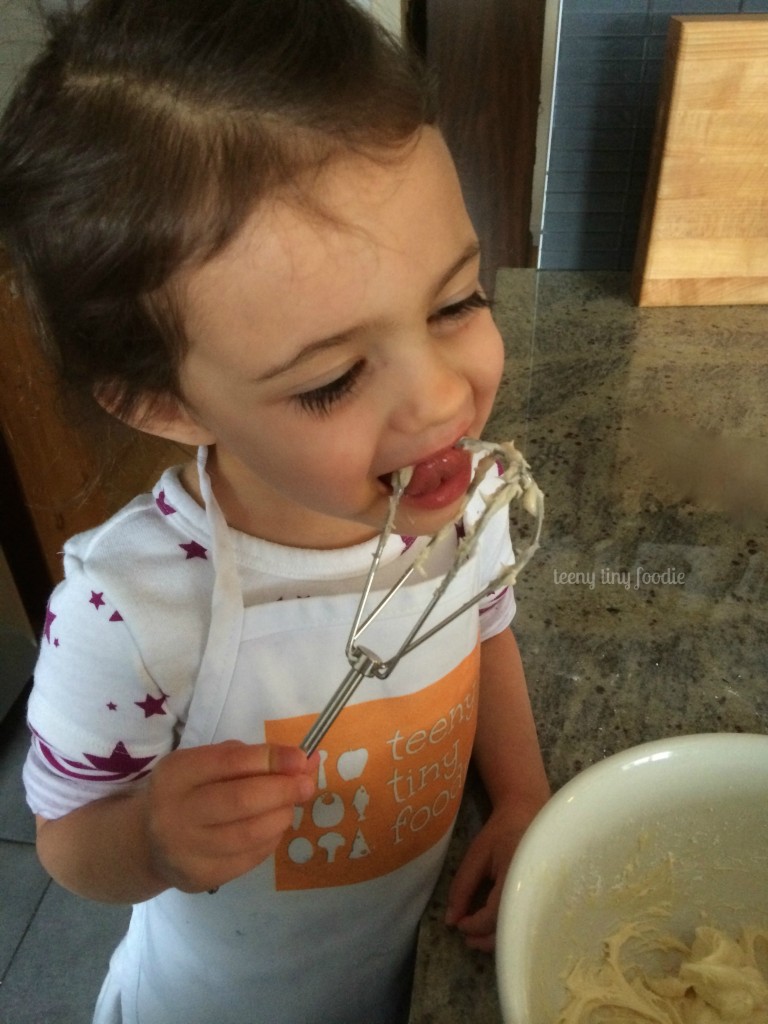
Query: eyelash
321, 400
459, 309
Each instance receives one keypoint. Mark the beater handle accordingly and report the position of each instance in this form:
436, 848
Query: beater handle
365, 664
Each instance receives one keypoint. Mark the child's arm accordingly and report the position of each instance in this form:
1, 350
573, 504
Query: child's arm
509, 760
207, 815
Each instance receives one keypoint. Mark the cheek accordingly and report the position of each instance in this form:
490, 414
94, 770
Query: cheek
490, 365
305, 455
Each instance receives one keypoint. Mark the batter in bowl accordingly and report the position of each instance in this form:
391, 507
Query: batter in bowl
716, 980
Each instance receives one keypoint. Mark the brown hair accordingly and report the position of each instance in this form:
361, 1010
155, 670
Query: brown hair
145, 134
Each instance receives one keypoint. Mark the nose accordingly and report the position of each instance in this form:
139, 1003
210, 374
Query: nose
432, 390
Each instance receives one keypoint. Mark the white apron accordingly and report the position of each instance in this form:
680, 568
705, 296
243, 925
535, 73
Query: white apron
325, 930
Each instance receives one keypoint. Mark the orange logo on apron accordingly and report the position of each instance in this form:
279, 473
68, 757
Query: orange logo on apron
390, 781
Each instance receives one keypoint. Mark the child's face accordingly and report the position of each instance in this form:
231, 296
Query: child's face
327, 352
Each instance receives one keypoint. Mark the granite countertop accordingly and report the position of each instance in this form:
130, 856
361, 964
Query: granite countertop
645, 614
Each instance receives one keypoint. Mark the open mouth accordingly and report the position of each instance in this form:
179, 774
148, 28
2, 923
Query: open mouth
437, 481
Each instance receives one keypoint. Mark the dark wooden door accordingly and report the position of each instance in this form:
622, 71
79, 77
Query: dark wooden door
56, 479
486, 55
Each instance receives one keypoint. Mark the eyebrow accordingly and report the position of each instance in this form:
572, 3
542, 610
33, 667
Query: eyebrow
469, 253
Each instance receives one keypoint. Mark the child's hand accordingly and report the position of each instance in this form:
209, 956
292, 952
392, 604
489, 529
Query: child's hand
215, 812
480, 878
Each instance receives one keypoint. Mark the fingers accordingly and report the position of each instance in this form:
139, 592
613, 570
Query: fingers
216, 812
479, 929
252, 839
473, 899
233, 759
235, 800
466, 882
252, 781
246, 759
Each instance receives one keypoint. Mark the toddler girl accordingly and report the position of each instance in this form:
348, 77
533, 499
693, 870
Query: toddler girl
240, 229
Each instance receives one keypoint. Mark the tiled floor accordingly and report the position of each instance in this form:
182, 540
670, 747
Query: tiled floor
54, 947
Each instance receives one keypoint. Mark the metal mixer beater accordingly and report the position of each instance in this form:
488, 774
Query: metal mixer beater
515, 482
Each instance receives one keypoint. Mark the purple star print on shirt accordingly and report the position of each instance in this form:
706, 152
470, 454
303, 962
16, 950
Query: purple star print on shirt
49, 620
118, 766
97, 600
162, 504
151, 705
194, 550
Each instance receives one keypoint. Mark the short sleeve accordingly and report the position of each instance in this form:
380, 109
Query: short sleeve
97, 717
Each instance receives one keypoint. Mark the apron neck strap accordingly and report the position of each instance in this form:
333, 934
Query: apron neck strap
224, 561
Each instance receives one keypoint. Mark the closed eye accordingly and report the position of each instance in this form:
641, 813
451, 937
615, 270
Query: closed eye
457, 310
322, 399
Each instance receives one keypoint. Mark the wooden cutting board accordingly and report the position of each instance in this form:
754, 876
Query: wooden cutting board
704, 229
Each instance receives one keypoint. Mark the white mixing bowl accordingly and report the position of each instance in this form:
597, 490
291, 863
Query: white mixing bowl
680, 822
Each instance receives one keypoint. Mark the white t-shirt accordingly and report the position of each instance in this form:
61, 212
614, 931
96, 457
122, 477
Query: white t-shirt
172, 629
125, 631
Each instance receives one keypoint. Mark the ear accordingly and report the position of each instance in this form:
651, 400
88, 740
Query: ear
162, 415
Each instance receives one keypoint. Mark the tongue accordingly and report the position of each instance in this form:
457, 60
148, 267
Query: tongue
430, 474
